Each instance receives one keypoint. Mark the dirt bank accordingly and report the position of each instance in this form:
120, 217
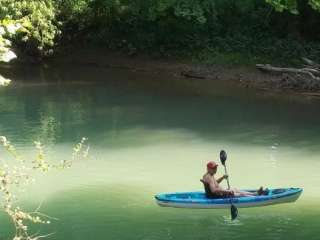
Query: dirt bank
244, 76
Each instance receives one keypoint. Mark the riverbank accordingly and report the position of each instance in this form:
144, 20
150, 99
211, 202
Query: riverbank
182, 71
243, 75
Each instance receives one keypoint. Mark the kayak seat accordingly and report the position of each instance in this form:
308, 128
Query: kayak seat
208, 192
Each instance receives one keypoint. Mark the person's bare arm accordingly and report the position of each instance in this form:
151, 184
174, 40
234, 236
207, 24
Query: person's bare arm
219, 180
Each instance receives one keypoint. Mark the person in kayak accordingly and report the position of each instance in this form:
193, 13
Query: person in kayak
214, 190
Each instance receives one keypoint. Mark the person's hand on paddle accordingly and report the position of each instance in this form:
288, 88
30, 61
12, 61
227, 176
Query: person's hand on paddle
219, 180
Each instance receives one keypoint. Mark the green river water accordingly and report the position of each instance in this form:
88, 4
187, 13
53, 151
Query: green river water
150, 134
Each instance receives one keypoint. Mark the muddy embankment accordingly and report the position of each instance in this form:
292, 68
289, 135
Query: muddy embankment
177, 69
244, 76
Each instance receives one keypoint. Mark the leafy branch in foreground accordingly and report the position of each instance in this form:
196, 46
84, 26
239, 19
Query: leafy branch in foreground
16, 176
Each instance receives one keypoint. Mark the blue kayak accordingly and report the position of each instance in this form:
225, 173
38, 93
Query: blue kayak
199, 200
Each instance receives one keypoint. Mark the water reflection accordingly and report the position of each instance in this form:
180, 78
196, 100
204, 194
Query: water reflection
155, 135
105, 109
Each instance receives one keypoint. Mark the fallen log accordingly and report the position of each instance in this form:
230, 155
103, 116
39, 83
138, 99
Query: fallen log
192, 74
310, 63
307, 71
307, 77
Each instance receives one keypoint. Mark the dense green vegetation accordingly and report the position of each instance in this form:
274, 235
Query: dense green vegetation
209, 30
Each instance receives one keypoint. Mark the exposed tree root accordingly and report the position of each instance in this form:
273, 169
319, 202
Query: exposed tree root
307, 77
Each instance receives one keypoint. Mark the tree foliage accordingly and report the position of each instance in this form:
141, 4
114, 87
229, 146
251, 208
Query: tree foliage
159, 25
292, 5
39, 26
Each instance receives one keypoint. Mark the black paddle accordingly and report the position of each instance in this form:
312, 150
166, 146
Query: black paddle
234, 210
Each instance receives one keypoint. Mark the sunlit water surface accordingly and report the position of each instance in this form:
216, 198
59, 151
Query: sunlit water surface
150, 134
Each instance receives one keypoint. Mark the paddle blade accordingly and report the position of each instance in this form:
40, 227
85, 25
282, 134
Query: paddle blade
234, 212
223, 157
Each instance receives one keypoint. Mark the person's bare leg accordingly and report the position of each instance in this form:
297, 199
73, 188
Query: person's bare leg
259, 192
245, 194
242, 193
